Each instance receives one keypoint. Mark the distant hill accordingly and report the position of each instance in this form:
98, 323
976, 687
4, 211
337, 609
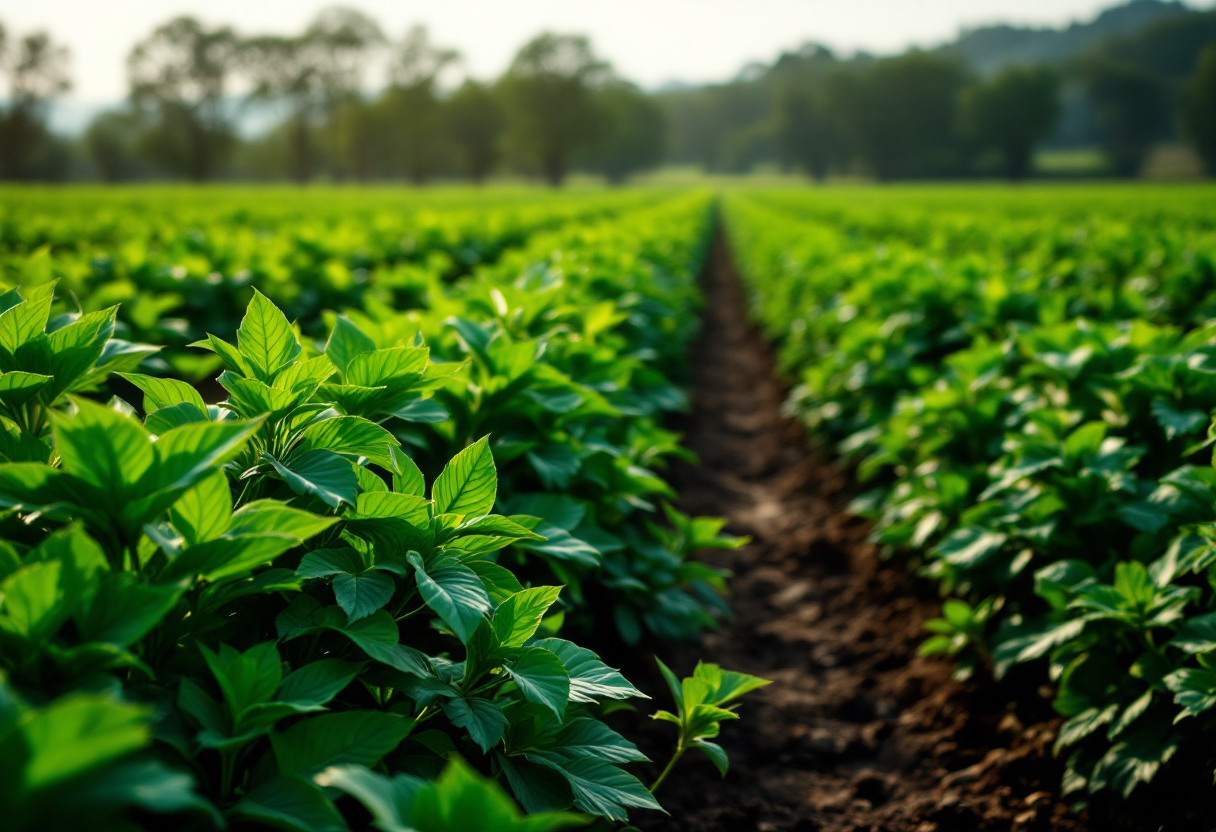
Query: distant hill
989, 48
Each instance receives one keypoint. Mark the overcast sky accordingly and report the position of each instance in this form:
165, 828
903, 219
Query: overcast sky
649, 41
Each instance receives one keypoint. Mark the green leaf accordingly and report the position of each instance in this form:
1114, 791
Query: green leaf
248, 678
187, 454
361, 595
174, 416
541, 678
352, 435
360, 737
80, 732
17, 388
317, 682
34, 604
725, 685
469, 482
376, 368
517, 618
1197, 635
407, 479
103, 448
346, 342
124, 610
293, 804
590, 678
463, 800
715, 753
164, 392
323, 474
324, 563
586, 737
265, 338
229, 354
601, 788
454, 592
481, 718
1177, 422
204, 511
388, 800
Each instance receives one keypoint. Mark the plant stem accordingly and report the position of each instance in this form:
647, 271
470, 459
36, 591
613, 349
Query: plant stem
675, 758
227, 764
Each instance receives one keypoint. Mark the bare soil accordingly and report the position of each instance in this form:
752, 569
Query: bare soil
857, 732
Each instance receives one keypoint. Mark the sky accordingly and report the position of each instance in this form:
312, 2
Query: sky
651, 42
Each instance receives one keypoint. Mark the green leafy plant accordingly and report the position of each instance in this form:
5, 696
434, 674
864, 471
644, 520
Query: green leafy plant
702, 705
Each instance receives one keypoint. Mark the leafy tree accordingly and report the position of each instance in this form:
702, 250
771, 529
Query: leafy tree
550, 102
1131, 107
474, 123
1199, 111
112, 140
899, 114
1011, 113
181, 72
631, 132
413, 99
807, 135
314, 74
37, 71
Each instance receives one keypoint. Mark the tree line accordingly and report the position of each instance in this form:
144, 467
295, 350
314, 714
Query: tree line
558, 107
929, 114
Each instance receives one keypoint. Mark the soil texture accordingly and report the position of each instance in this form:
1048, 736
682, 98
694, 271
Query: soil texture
857, 732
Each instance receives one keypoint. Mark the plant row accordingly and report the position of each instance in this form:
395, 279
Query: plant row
182, 263
1029, 400
341, 595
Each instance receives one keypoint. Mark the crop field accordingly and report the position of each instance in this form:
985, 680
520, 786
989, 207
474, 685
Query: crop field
334, 509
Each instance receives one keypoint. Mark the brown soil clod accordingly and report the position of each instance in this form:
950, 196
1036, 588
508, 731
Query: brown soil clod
857, 732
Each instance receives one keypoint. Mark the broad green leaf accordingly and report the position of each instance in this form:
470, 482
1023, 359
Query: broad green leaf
293, 804
33, 602
124, 610
359, 737
248, 678
17, 388
230, 355
80, 732
361, 595
205, 510
316, 683
388, 800
454, 592
323, 474
469, 482
590, 678
187, 454
586, 737
517, 618
601, 788
345, 342
541, 678
460, 799
407, 479
265, 338
481, 718
103, 448
324, 563
174, 416
164, 392
375, 368
1197, 635
351, 435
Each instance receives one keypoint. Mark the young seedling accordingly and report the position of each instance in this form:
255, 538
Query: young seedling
701, 707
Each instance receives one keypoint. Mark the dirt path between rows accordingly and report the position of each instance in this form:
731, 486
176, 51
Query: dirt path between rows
857, 732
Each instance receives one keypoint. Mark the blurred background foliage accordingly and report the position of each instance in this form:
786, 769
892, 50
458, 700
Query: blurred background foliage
1131, 92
